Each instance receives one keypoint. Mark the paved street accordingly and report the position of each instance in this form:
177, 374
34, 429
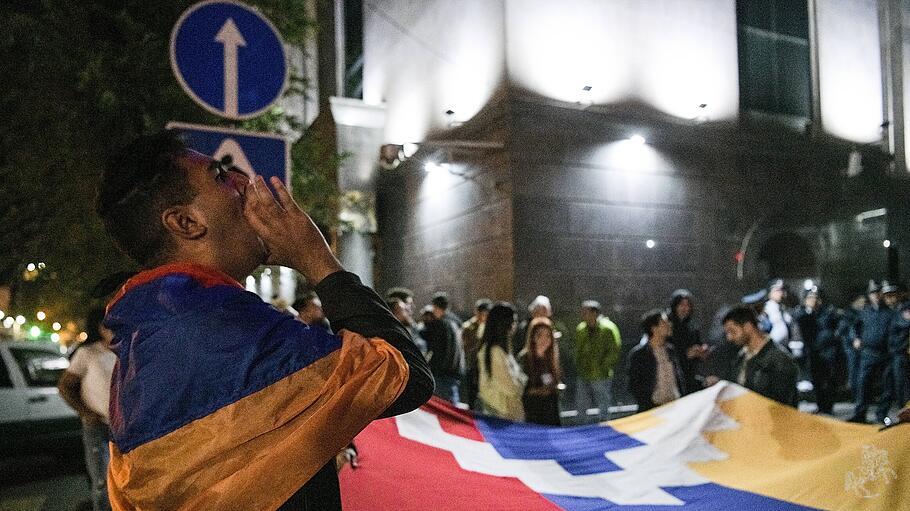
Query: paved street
43, 483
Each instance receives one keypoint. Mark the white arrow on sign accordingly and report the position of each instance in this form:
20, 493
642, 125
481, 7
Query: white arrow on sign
230, 37
238, 158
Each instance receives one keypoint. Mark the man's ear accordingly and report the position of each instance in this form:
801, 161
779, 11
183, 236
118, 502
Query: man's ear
184, 222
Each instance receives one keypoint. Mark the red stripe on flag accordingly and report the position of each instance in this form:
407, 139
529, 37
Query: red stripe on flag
400, 474
453, 420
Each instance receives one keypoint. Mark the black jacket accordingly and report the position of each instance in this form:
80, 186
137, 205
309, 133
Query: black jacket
771, 373
685, 335
818, 330
900, 330
643, 374
444, 343
349, 305
874, 327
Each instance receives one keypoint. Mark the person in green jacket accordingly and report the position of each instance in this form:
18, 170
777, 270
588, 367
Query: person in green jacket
597, 345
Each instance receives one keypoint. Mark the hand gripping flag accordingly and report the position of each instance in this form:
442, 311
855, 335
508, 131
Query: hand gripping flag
724, 448
221, 402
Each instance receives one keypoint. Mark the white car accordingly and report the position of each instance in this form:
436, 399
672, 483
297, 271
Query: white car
33, 416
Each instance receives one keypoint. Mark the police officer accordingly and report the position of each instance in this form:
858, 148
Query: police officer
849, 322
898, 343
870, 337
816, 325
776, 312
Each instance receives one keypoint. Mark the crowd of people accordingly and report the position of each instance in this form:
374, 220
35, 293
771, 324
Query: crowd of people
500, 364
512, 369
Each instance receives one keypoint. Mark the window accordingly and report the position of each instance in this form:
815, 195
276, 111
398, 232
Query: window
774, 69
353, 49
41, 368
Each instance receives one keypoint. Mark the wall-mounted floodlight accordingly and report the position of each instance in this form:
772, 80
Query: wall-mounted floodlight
637, 139
868, 215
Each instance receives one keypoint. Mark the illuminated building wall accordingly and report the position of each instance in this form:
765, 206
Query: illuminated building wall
572, 198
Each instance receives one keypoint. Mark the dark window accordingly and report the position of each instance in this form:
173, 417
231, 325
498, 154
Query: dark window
773, 39
41, 368
353, 49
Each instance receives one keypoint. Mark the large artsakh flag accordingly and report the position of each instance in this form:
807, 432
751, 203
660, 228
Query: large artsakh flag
724, 448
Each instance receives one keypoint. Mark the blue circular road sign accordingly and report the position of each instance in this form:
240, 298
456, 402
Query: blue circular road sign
229, 58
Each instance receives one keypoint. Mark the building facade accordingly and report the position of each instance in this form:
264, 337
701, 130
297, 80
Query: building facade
618, 150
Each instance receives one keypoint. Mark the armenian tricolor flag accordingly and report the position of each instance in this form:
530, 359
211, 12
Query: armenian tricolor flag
724, 448
220, 401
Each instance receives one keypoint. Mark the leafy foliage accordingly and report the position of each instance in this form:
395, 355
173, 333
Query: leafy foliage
81, 80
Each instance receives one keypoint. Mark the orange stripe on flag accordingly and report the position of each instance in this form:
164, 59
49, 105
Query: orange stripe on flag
258, 451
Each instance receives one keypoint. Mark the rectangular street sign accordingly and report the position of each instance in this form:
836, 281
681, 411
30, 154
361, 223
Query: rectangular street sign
266, 154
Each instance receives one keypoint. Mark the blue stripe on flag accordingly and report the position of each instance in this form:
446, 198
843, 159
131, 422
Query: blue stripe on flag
579, 450
704, 497
187, 350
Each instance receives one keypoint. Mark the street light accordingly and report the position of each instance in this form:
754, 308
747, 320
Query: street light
41, 316
56, 326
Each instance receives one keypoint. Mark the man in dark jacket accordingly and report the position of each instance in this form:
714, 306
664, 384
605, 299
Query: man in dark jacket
471, 335
655, 377
761, 365
686, 339
197, 354
871, 337
816, 325
897, 348
445, 348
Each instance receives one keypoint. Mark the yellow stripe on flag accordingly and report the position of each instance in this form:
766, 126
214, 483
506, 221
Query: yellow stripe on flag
258, 451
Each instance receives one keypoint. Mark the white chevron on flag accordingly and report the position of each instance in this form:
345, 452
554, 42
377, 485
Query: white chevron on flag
670, 445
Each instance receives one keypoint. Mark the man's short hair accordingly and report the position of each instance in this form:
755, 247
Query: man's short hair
741, 315
393, 302
651, 319
483, 305
139, 183
402, 293
441, 300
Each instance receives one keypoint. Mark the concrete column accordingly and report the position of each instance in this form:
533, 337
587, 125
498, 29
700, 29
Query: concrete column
359, 130
815, 81
891, 38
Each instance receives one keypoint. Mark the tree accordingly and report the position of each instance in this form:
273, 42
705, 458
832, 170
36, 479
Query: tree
81, 80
